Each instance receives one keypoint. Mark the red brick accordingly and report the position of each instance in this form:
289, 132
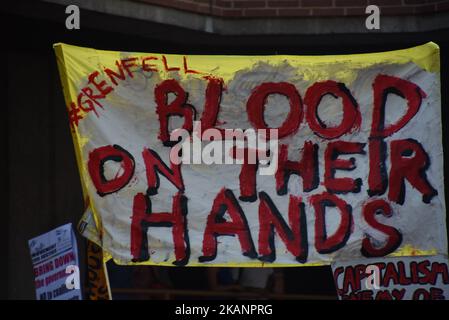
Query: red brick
188, 6
260, 12
283, 3
382, 3
217, 11
328, 12
397, 10
316, 3
355, 11
301, 8
205, 9
232, 13
159, 2
416, 1
430, 8
443, 6
294, 12
249, 4
351, 3
223, 3
182, 5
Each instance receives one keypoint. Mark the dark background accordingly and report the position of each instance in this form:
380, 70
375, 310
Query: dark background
43, 188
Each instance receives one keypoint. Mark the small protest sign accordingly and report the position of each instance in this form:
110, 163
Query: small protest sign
402, 278
55, 265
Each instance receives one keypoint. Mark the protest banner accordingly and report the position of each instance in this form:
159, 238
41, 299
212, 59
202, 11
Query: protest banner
402, 278
55, 264
97, 277
345, 162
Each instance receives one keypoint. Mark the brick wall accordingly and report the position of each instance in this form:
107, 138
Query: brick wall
301, 8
